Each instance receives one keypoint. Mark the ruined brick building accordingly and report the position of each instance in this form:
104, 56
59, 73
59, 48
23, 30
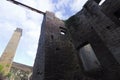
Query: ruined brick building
20, 71
84, 47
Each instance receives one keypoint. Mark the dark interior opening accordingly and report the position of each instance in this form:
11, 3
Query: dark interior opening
52, 37
117, 14
97, 1
57, 48
81, 45
63, 28
108, 27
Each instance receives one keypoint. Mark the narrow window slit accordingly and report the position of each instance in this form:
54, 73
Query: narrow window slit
63, 30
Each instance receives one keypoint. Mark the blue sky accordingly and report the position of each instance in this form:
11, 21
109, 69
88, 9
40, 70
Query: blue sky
13, 16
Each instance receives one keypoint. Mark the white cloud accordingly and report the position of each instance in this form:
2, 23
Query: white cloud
77, 5
31, 51
34, 16
60, 8
11, 12
45, 5
32, 3
12, 16
6, 31
72, 6
63, 4
59, 14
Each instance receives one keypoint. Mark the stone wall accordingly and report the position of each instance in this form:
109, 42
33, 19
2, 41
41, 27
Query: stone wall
56, 58
59, 49
20, 72
91, 25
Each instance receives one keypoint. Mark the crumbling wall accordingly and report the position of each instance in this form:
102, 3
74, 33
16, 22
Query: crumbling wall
94, 27
56, 58
60, 44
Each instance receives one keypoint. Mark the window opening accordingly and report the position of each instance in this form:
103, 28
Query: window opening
63, 31
88, 57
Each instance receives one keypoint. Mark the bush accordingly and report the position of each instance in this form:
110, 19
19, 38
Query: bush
1, 68
9, 75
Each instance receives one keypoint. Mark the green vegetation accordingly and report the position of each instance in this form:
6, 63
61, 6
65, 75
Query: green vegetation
1, 69
2, 76
1, 73
7, 65
9, 75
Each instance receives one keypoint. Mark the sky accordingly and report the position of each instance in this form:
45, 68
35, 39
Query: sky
13, 16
